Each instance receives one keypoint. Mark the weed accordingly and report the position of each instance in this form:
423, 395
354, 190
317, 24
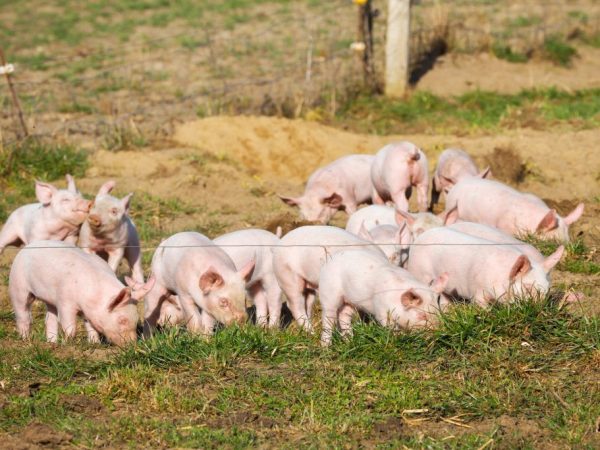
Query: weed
558, 51
504, 51
120, 136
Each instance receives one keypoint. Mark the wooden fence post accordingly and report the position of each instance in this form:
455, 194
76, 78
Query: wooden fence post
397, 48
365, 35
6, 69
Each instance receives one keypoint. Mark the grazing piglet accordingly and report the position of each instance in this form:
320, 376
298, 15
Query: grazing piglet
453, 165
256, 245
363, 280
478, 269
498, 205
298, 261
341, 185
71, 282
109, 230
191, 266
58, 216
396, 169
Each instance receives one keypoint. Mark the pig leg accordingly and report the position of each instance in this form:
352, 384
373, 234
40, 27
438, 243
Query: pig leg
92, 335
293, 286
345, 318
310, 301
9, 235
51, 323
435, 195
329, 318
208, 323
21, 301
376, 198
193, 317
422, 191
273, 294
133, 255
350, 207
114, 258
152, 303
68, 321
259, 298
400, 200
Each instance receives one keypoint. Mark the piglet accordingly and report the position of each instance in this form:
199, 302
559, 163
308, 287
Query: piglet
396, 169
299, 258
205, 280
453, 165
341, 185
359, 279
58, 216
479, 269
109, 230
256, 245
498, 205
71, 282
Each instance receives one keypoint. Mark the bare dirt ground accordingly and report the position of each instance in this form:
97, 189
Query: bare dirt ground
456, 74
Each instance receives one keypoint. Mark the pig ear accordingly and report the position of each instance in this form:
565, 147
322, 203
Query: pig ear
106, 188
121, 299
449, 180
125, 201
210, 280
553, 259
521, 267
403, 217
44, 192
410, 299
574, 215
291, 201
439, 284
364, 233
549, 222
71, 184
246, 271
333, 201
139, 290
485, 173
450, 217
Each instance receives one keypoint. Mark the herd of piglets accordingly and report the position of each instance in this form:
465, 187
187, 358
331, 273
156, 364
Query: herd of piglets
402, 268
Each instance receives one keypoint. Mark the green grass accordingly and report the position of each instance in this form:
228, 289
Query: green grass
473, 111
577, 258
35, 159
557, 50
248, 387
503, 51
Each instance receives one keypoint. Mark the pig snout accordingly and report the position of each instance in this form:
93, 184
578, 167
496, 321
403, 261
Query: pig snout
241, 317
84, 205
94, 220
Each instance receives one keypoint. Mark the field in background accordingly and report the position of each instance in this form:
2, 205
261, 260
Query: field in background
127, 90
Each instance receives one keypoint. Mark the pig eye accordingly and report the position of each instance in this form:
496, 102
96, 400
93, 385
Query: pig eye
114, 211
64, 200
223, 302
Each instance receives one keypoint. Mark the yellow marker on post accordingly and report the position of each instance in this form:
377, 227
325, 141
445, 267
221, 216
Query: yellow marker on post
360, 2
